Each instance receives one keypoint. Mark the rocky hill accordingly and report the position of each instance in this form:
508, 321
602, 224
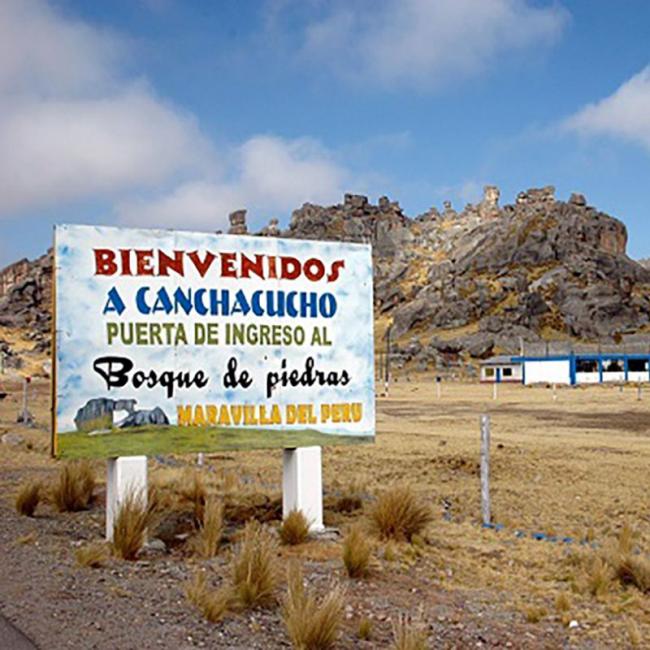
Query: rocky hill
453, 285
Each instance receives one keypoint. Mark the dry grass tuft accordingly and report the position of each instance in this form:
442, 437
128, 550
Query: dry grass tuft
206, 542
633, 633
398, 514
213, 603
311, 624
597, 578
357, 552
634, 570
351, 499
295, 528
192, 489
132, 521
93, 556
534, 613
365, 629
28, 498
617, 562
409, 634
73, 490
254, 567
562, 602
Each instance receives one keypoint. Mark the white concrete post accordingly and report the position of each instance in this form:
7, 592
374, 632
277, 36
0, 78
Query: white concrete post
495, 390
302, 484
485, 469
126, 474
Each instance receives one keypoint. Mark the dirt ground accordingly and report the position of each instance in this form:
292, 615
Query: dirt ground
572, 470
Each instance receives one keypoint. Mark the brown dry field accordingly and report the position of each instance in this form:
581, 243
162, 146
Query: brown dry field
577, 466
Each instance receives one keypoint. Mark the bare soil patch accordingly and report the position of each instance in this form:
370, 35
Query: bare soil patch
575, 467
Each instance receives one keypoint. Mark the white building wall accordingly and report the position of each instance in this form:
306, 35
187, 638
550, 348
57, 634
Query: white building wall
638, 376
547, 371
587, 377
613, 376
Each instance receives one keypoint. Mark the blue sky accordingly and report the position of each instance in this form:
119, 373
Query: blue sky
173, 113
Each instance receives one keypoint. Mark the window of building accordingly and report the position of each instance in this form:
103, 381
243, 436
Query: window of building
489, 372
586, 365
613, 366
637, 365
507, 372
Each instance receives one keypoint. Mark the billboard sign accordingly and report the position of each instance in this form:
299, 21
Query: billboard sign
176, 342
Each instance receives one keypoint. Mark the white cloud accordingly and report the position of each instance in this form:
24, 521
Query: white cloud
624, 114
42, 53
62, 150
266, 174
71, 125
74, 126
424, 42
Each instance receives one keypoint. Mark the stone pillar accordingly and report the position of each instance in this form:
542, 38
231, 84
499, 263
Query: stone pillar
237, 223
488, 208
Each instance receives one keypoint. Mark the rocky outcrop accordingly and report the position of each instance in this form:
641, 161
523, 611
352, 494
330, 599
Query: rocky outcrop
470, 283
26, 299
541, 267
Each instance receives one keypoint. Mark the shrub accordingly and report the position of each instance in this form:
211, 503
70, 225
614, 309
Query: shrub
398, 514
133, 519
28, 498
92, 555
213, 603
73, 490
357, 551
295, 528
254, 570
311, 624
409, 634
206, 542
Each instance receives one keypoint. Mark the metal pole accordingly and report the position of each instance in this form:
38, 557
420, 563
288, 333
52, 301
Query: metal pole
485, 468
495, 390
387, 365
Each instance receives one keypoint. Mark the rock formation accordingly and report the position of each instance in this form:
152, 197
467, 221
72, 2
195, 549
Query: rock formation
468, 283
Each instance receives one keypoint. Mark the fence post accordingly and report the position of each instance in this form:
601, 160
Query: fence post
638, 391
485, 468
387, 360
495, 390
